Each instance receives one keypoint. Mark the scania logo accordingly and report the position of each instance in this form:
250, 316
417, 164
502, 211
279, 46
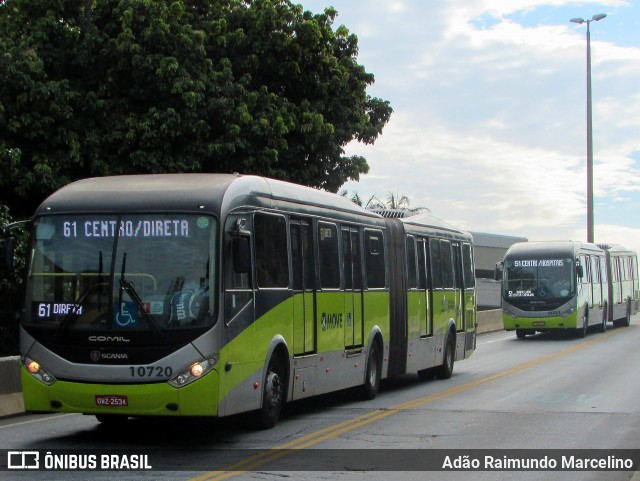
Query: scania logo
97, 356
108, 339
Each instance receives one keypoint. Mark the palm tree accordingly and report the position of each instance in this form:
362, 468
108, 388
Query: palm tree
394, 202
355, 197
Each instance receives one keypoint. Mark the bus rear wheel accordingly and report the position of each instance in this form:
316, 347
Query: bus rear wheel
582, 331
603, 326
626, 320
372, 374
445, 370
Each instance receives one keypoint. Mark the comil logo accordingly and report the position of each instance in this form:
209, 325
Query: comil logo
23, 460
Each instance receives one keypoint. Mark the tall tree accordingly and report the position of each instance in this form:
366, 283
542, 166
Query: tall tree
105, 87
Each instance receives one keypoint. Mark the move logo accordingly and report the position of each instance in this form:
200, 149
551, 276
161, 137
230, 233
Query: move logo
331, 321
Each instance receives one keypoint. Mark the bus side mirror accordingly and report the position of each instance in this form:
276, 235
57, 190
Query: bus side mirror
498, 273
579, 271
241, 255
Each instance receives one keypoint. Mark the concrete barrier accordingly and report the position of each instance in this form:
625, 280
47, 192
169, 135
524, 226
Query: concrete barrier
490, 321
11, 388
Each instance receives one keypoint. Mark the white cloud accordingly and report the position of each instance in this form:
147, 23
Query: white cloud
489, 122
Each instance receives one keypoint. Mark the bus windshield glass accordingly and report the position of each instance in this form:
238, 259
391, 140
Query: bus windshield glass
538, 279
122, 273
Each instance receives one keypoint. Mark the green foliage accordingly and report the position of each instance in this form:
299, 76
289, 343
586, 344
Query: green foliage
11, 284
105, 87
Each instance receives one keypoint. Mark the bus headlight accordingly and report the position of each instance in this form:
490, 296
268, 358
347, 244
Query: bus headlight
36, 370
194, 372
568, 312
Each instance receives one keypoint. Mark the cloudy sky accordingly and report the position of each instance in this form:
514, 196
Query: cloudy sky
489, 122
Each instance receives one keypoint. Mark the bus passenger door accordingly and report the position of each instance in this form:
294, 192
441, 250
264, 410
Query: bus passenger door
353, 287
458, 286
596, 281
469, 284
444, 297
425, 315
303, 265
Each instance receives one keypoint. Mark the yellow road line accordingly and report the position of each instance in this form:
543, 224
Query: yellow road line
334, 431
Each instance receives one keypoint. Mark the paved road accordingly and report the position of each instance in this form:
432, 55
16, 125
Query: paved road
544, 392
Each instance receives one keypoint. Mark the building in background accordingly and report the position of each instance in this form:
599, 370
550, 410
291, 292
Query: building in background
490, 249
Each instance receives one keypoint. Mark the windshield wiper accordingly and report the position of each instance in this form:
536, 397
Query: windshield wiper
127, 286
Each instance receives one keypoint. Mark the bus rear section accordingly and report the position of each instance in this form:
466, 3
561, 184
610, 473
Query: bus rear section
554, 286
622, 286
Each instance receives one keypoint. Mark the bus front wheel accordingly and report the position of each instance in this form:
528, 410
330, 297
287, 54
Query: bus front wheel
272, 395
582, 331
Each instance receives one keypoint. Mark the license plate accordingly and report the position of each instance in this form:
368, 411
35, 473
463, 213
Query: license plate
111, 400
538, 324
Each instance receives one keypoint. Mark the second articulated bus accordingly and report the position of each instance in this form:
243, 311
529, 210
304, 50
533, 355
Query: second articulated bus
567, 285
210, 294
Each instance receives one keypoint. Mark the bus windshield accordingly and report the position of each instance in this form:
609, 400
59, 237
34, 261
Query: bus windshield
121, 273
538, 279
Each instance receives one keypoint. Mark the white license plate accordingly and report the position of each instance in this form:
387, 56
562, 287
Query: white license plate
111, 400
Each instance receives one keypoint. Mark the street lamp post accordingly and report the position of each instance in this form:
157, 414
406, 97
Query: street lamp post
590, 236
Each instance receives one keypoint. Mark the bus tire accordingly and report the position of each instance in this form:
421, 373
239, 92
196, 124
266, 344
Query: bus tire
603, 326
445, 370
273, 394
626, 322
521, 333
582, 331
372, 374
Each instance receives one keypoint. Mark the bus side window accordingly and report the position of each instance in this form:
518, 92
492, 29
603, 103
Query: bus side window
582, 270
587, 265
238, 277
272, 260
411, 262
595, 269
447, 265
422, 266
329, 258
374, 259
457, 266
241, 257
467, 266
604, 270
436, 264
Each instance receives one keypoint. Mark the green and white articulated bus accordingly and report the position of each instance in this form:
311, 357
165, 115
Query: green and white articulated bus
566, 285
215, 294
